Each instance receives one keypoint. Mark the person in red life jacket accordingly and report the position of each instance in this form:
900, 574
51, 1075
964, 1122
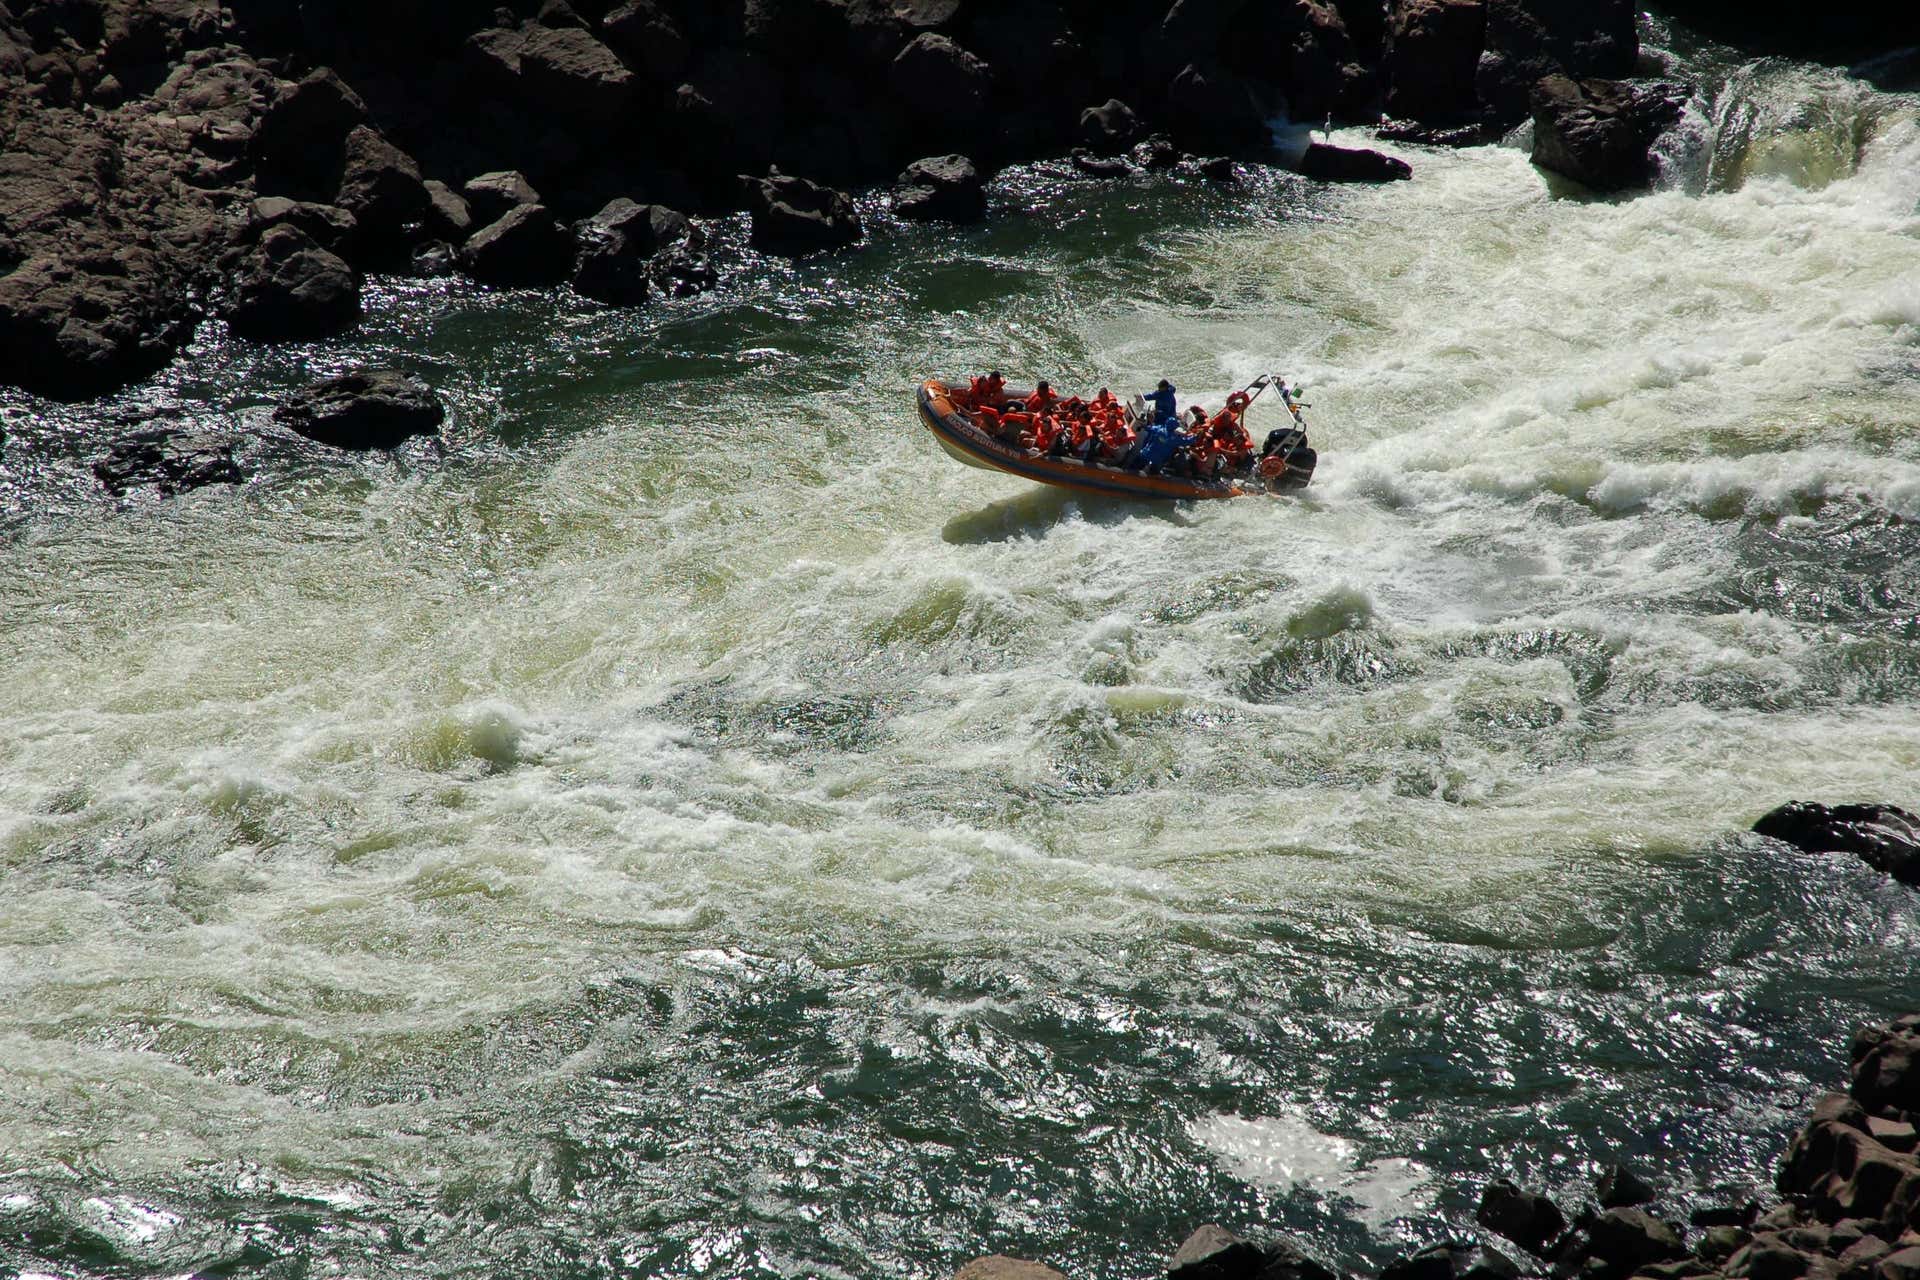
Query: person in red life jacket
992, 390
1040, 437
1042, 398
1081, 438
1104, 400
989, 420
1116, 437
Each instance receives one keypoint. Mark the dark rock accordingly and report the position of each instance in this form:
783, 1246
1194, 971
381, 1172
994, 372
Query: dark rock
1432, 49
492, 196
1722, 1242
290, 287
1895, 1135
170, 459
434, 258
1218, 169
793, 216
1621, 1188
1527, 40
1527, 1218
1718, 1216
1100, 166
448, 213
685, 267
651, 38
558, 13
1630, 1239
1001, 1267
1903, 1264
380, 186
943, 188
1110, 128
76, 327
1214, 1253
1156, 154
1348, 164
614, 258
332, 228
1598, 132
941, 82
1452, 1261
1681, 1269
1431, 135
365, 409
1886, 1070
524, 246
299, 142
1211, 106
1768, 1257
1887, 837
568, 72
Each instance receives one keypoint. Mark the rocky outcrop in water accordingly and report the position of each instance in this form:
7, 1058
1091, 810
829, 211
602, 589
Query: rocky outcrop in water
941, 188
173, 460
1598, 132
365, 409
1886, 837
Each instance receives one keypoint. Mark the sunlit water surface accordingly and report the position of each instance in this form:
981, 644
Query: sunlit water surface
686, 826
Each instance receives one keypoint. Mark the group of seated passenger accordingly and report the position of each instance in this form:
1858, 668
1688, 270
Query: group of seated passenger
1103, 430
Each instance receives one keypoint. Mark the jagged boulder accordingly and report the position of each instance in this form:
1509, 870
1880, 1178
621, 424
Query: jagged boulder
491, 196
940, 81
793, 216
298, 145
1886, 1068
614, 259
651, 37
1110, 128
1598, 132
1621, 1188
561, 71
1452, 1261
289, 287
1351, 164
1214, 1253
364, 409
381, 187
449, 216
524, 246
1888, 838
1527, 1218
1432, 50
1211, 106
941, 188
330, 227
1527, 40
1628, 1239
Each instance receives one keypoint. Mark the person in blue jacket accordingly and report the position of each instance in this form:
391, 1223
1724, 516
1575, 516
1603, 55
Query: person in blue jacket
1159, 442
1165, 408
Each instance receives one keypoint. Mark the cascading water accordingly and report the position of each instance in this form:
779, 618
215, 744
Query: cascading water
689, 827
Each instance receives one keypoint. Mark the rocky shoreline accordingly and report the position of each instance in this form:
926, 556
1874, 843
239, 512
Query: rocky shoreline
169, 160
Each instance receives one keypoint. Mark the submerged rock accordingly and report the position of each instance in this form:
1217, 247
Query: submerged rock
365, 409
616, 247
1621, 1188
171, 459
942, 188
1888, 838
1348, 164
1452, 1261
1527, 1218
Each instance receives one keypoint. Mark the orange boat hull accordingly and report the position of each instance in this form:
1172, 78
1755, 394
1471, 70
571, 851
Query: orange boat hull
957, 434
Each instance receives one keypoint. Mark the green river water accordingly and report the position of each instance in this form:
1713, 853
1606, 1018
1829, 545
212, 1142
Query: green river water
687, 826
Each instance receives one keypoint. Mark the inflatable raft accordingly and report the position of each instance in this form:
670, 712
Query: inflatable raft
956, 431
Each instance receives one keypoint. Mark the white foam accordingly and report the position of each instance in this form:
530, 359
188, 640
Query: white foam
1285, 1153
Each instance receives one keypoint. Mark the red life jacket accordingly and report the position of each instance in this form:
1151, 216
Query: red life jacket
1041, 401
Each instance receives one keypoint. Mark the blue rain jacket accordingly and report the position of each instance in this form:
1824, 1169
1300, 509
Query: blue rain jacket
1165, 408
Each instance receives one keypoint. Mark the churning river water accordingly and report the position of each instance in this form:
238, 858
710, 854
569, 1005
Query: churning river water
687, 826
